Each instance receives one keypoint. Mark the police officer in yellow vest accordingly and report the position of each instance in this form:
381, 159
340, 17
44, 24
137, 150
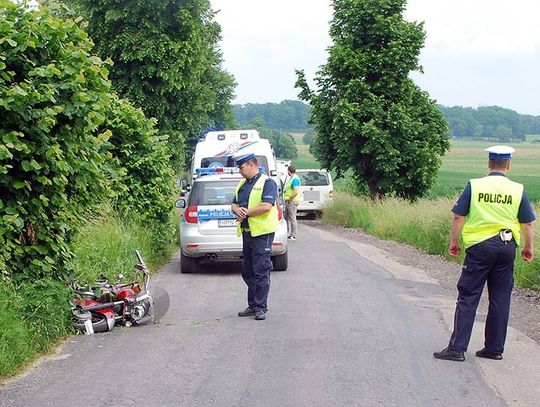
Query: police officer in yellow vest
255, 207
494, 216
292, 197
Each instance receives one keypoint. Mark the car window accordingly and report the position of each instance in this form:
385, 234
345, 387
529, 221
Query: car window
313, 178
213, 193
228, 161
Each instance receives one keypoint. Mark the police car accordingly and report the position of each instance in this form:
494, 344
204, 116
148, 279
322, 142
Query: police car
208, 227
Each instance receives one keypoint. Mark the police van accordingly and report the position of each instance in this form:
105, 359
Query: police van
218, 148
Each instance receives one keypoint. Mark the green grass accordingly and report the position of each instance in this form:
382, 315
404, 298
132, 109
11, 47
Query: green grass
106, 246
305, 160
424, 224
32, 323
467, 159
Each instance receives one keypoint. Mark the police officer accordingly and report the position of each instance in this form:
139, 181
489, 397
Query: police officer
493, 216
292, 197
255, 207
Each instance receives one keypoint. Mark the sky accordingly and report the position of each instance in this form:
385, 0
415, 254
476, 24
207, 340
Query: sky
477, 52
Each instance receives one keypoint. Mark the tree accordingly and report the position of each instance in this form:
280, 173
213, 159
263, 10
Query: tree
166, 61
54, 96
288, 115
369, 116
283, 143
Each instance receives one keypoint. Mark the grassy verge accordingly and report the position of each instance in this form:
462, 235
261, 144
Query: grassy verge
35, 316
425, 225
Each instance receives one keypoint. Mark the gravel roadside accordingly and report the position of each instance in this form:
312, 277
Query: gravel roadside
525, 308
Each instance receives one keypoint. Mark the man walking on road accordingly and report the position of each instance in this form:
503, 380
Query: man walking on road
491, 214
255, 207
292, 197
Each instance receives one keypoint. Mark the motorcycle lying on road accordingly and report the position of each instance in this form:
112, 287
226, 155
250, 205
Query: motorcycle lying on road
100, 308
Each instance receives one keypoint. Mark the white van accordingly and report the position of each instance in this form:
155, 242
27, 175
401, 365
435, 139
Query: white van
218, 148
317, 190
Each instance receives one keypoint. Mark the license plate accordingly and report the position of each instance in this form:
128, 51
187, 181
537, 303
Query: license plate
226, 223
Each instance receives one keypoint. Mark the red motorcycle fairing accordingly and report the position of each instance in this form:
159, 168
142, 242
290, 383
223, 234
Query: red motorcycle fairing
108, 313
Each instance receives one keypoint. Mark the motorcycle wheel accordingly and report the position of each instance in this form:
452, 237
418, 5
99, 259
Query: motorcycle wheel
99, 323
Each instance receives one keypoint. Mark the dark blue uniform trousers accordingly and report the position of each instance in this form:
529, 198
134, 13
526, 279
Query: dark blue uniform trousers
256, 267
490, 261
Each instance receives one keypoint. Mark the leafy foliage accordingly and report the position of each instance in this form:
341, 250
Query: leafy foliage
283, 143
369, 116
53, 162
144, 185
287, 115
166, 61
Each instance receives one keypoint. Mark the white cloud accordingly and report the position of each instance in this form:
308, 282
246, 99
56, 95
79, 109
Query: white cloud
477, 52
479, 27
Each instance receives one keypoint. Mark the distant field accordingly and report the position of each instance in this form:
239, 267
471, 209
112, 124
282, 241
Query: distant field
466, 160
297, 137
532, 138
305, 159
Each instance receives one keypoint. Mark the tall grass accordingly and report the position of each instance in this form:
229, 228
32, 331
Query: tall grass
35, 316
106, 246
424, 224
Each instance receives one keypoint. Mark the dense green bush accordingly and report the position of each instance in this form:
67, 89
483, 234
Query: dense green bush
53, 97
144, 186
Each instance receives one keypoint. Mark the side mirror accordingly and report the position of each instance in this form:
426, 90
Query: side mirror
180, 203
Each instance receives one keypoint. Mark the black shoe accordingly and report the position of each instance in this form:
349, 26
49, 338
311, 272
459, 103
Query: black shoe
260, 315
448, 354
248, 312
483, 353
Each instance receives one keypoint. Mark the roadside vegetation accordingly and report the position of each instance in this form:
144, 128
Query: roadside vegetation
86, 177
424, 224
34, 315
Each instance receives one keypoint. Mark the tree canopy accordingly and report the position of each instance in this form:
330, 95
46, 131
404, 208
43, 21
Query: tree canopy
490, 122
166, 61
287, 115
368, 114
67, 145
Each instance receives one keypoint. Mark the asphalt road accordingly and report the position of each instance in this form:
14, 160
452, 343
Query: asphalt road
347, 326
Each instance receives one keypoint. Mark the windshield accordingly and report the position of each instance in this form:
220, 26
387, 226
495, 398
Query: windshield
313, 178
228, 161
213, 192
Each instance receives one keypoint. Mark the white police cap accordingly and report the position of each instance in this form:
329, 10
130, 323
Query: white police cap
500, 152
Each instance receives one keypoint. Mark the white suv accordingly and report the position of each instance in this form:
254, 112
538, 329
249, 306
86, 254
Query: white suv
208, 227
317, 190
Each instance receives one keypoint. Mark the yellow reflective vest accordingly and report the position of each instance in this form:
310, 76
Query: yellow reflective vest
495, 202
262, 224
289, 190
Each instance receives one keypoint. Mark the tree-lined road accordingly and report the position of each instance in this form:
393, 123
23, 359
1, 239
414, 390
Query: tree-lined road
347, 326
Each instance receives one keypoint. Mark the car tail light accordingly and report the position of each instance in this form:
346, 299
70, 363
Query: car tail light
279, 212
190, 214
331, 194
